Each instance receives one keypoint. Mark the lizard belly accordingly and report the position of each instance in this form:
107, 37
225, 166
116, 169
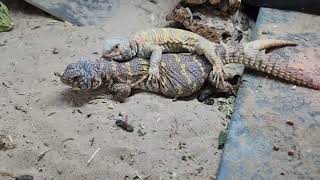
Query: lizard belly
180, 74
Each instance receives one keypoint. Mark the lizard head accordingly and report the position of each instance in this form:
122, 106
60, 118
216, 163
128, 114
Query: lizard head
81, 75
117, 48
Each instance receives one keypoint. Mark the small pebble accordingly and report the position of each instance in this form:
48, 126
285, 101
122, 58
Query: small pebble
290, 123
110, 106
290, 153
54, 51
184, 158
153, 1
209, 101
24, 177
124, 125
294, 87
141, 133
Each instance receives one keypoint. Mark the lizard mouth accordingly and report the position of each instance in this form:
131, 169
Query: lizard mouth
75, 89
112, 56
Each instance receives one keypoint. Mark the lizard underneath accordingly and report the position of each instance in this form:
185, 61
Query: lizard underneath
180, 74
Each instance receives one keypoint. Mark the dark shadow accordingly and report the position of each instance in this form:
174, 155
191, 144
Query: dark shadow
251, 11
175, 25
79, 98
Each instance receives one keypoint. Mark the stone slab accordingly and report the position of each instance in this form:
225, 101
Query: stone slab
78, 12
261, 145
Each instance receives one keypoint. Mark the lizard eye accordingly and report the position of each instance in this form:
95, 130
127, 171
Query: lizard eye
94, 84
116, 46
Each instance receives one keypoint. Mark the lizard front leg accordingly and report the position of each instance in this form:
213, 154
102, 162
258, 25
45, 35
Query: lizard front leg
121, 91
208, 49
155, 58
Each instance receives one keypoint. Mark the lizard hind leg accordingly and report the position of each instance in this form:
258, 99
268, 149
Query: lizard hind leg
226, 87
208, 49
121, 91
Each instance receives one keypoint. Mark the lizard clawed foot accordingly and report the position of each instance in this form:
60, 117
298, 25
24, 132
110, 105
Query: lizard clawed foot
233, 89
219, 78
154, 76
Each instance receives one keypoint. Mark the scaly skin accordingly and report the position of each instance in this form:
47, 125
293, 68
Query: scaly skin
185, 17
180, 74
152, 43
230, 6
252, 58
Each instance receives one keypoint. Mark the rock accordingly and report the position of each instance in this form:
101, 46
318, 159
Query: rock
24, 177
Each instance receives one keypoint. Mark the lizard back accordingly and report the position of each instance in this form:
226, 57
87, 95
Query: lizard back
170, 39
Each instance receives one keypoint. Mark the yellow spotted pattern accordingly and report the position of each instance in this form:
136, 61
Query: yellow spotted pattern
199, 65
164, 79
179, 90
145, 36
113, 67
183, 69
128, 68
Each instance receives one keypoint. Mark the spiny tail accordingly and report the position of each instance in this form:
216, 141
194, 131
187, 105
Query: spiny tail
263, 44
296, 73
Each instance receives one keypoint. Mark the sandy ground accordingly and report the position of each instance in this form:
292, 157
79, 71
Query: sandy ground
41, 114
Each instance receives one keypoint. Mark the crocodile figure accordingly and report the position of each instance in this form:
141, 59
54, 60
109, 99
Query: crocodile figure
180, 74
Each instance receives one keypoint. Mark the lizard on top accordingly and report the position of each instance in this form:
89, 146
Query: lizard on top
152, 43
